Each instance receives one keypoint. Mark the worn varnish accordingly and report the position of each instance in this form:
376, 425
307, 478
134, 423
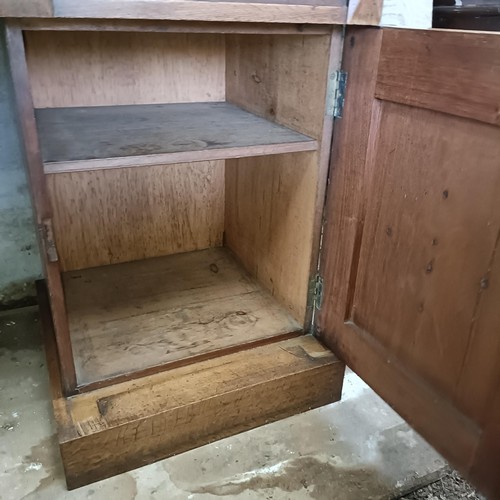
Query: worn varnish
283, 79
103, 69
274, 204
279, 11
42, 211
424, 252
131, 317
73, 139
450, 78
159, 148
268, 222
118, 428
112, 216
165, 26
365, 12
411, 241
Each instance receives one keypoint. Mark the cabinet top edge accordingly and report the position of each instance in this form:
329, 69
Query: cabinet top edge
236, 11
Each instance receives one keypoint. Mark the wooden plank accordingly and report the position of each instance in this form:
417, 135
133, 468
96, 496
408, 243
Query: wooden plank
70, 69
150, 134
396, 13
444, 78
26, 8
453, 434
112, 216
365, 12
409, 263
39, 198
273, 205
131, 25
354, 143
185, 157
194, 10
131, 317
484, 472
283, 79
269, 222
426, 248
480, 373
118, 428
345, 205
482, 364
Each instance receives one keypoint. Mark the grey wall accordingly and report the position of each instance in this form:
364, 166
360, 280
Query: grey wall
19, 259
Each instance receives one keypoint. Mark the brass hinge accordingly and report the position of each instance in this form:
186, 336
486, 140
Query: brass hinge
336, 93
47, 235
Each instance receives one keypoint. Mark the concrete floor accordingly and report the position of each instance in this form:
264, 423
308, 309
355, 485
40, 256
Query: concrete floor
356, 449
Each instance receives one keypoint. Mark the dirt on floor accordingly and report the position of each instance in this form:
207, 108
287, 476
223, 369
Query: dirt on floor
451, 486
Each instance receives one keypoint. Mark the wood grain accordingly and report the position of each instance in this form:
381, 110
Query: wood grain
272, 204
162, 26
129, 317
440, 70
39, 198
368, 12
345, 210
269, 220
281, 78
410, 299
75, 139
195, 10
111, 216
26, 8
422, 281
211, 401
485, 469
481, 360
203, 155
118, 428
98, 69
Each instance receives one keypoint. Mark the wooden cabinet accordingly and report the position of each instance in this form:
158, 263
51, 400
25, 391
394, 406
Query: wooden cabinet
196, 279
411, 272
178, 175
179, 181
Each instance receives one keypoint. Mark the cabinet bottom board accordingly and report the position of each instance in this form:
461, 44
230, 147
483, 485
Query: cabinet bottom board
129, 319
117, 428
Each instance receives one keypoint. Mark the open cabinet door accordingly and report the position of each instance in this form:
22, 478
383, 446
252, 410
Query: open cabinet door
410, 256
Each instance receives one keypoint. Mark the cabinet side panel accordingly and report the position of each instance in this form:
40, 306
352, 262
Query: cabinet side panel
101, 68
110, 216
40, 200
282, 78
269, 222
274, 205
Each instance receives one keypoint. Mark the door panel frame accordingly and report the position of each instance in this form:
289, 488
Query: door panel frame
377, 69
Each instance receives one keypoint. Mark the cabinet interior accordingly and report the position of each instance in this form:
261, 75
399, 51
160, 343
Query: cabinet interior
183, 173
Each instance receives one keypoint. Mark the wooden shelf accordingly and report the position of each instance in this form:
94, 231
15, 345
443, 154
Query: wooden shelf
89, 138
136, 316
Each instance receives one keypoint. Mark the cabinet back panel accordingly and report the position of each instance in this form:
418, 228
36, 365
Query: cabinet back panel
119, 215
100, 68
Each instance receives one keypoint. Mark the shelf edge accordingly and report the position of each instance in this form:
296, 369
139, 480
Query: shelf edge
180, 157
